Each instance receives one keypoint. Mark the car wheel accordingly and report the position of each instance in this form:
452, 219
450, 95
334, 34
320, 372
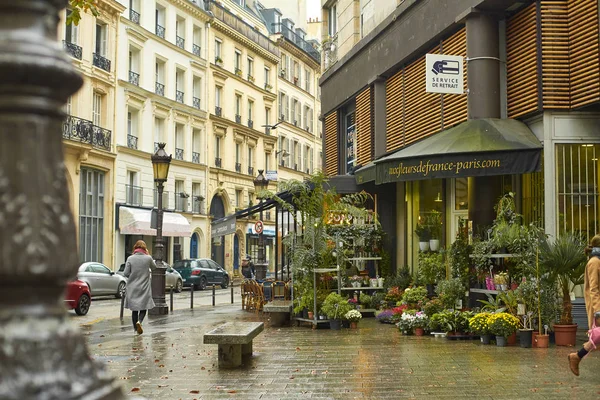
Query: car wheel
83, 305
178, 286
202, 284
225, 282
120, 290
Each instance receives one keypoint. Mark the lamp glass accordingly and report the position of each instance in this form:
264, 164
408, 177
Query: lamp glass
161, 170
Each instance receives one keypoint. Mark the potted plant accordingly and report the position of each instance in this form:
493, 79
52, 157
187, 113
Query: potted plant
353, 316
564, 259
433, 306
405, 324
434, 222
459, 255
431, 269
415, 296
526, 333
502, 325
384, 316
420, 322
479, 325
451, 292
335, 307
218, 60
365, 300
424, 235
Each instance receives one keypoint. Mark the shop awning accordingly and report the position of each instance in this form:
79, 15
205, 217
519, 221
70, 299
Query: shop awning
136, 221
365, 174
481, 147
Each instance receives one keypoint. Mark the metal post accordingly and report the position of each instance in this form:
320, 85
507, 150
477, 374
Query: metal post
171, 298
122, 305
192, 297
213, 294
261, 243
158, 273
42, 351
231, 293
277, 241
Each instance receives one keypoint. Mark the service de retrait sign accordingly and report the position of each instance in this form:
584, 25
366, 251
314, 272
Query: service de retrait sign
444, 74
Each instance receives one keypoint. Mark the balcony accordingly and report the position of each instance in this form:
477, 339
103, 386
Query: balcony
134, 16
197, 204
159, 89
219, 61
165, 199
238, 167
267, 130
181, 201
218, 111
251, 171
238, 72
238, 118
134, 78
296, 40
250, 124
196, 102
160, 31
180, 42
250, 78
73, 50
101, 62
242, 27
195, 157
84, 131
268, 87
132, 142
218, 162
179, 96
178, 154
330, 51
134, 195
196, 50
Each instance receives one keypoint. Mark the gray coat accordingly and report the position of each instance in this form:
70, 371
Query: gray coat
139, 293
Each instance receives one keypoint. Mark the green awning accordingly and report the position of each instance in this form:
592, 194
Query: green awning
365, 174
481, 147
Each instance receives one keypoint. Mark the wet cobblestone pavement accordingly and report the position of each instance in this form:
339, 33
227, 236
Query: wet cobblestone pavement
169, 361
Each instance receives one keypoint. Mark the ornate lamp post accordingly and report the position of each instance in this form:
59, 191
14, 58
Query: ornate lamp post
160, 166
261, 183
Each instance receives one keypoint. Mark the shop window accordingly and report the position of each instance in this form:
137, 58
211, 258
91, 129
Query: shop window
532, 186
461, 194
350, 140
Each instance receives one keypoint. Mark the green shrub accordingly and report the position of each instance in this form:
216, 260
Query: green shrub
416, 295
449, 291
335, 306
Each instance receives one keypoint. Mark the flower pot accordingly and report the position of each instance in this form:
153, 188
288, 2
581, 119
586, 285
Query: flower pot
533, 338
500, 341
564, 335
485, 339
311, 315
380, 282
514, 286
512, 339
374, 282
419, 331
345, 324
542, 341
423, 246
434, 244
335, 324
353, 325
520, 309
430, 289
525, 336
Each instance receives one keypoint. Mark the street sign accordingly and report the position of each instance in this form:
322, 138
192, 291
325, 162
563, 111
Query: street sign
258, 226
271, 175
444, 73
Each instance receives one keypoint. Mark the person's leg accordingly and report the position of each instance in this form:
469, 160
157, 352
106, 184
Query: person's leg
138, 324
134, 319
575, 358
142, 315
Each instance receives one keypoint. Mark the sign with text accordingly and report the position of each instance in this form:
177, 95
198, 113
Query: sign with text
444, 73
271, 175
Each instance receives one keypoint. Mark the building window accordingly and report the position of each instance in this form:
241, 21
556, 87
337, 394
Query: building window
218, 151
311, 166
68, 106
238, 108
71, 31
197, 46
197, 88
179, 85
267, 78
101, 39
250, 160
132, 128
158, 132
196, 146
159, 77
218, 45
160, 22
307, 79
133, 191
250, 111
97, 109
332, 21
198, 199
91, 215
134, 66
218, 96
239, 195
284, 107
305, 164
267, 161
282, 65
180, 32
237, 62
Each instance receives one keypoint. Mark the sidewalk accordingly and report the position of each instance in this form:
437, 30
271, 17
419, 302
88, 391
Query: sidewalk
169, 361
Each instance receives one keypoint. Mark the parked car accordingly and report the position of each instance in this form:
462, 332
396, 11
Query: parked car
172, 278
101, 280
201, 272
78, 297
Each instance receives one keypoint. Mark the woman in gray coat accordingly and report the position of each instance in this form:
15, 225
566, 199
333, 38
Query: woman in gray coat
139, 293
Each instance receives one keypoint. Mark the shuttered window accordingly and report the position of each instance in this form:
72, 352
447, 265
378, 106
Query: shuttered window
555, 53
364, 127
331, 144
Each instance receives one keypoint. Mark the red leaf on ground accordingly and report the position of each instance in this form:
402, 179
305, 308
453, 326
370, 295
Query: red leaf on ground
136, 389
231, 391
157, 360
194, 391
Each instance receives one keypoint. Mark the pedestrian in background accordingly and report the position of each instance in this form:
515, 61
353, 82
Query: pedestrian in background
247, 267
138, 299
591, 294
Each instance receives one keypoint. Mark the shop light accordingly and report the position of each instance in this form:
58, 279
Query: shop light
438, 199
587, 145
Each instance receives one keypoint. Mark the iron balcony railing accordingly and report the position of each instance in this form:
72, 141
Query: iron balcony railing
330, 51
179, 96
196, 50
160, 31
159, 89
250, 170
218, 162
196, 102
180, 42
250, 124
242, 27
298, 41
132, 141
73, 50
165, 199
101, 62
197, 205
181, 201
134, 16
195, 157
178, 154
218, 111
238, 167
267, 130
238, 118
134, 195
134, 78
84, 131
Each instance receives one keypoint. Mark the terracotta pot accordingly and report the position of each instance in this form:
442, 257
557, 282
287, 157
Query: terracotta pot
565, 335
419, 331
542, 341
353, 325
533, 336
311, 315
512, 339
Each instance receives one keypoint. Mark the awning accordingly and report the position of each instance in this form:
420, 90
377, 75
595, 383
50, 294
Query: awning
365, 174
222, 227
481, 147
136, 221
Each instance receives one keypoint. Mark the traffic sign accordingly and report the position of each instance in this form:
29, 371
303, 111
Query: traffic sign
258, 226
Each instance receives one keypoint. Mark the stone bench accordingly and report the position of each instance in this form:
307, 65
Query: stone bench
279, 311
234, 340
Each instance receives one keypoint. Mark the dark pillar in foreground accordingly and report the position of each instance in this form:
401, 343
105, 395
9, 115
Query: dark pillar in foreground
483, 102
42, 353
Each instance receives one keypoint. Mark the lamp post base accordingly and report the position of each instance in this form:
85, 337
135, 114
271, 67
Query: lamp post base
159, 309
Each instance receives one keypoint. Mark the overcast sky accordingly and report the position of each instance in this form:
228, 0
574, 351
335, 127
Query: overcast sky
313, 8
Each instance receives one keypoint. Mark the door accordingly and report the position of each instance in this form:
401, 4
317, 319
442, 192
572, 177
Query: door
194, 246
236, 253
459, 195
217, 250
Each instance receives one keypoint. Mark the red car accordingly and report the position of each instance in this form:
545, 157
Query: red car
78, 297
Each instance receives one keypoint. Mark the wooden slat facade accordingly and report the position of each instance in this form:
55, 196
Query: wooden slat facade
455, 106
364, 127
555, 53
394, 110
331, 144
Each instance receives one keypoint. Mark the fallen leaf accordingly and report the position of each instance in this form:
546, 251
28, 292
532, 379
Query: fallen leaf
157, 360
161, 366
231, 391
136, 389
194, 391
203, 368
162, 386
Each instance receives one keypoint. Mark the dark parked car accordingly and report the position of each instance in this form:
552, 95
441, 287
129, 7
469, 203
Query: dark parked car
78, 297
201, 272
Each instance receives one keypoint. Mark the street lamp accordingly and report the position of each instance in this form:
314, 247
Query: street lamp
261, 183
160, 166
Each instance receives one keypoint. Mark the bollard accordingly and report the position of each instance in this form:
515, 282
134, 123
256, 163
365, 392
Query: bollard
171, 295
192, 296
122, 305
214, 295
232, 293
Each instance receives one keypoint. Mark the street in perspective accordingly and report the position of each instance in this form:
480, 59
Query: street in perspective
281, 199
